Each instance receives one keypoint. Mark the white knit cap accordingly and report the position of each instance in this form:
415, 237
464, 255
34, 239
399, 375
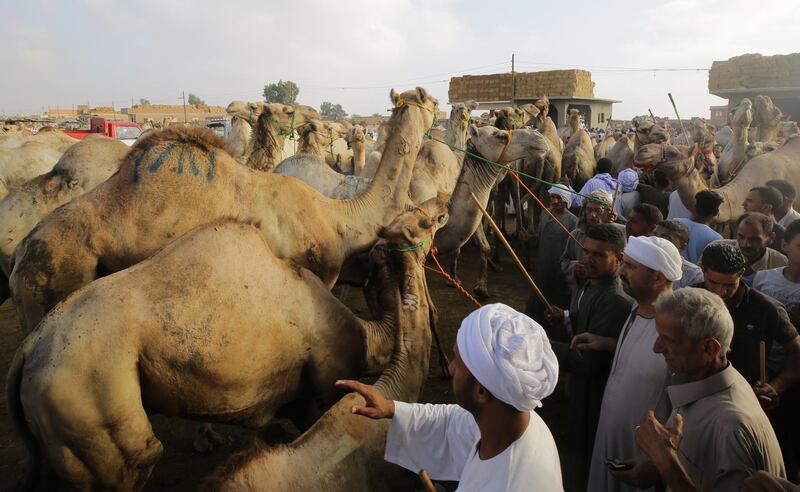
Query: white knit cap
628, 180
562, 192
509, 354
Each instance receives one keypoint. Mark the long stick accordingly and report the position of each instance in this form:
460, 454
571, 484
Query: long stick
426, 481
510, 250
680, 122
762, 362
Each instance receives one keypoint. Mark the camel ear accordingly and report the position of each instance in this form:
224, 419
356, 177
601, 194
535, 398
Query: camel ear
422, 94
471, 105
394, 96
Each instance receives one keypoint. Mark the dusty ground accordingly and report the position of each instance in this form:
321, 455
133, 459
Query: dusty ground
181, 468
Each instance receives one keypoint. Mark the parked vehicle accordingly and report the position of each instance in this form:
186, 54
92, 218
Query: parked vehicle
127, 131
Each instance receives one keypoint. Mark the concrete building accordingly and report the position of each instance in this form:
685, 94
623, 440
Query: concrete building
566, 89
750, 75
719, 115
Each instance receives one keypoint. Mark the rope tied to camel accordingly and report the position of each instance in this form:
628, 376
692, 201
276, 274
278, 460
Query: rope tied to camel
413, 247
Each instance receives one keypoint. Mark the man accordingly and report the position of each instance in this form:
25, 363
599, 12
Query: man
756, 318
725, 434
600, 308
638, 377
706, 209
766, 200
643, 220
783, 284
596, 210
600, 181
678, 234
754, 233
785, 214
492, 440
628, 180
549, 243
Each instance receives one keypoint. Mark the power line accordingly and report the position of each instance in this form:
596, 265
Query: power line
611, 68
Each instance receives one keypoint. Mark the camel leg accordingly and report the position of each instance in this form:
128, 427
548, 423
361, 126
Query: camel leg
482, 287
501, 198
516, 198
454, 267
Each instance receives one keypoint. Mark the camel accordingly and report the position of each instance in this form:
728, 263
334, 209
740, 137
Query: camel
374, 155
602, 148
48, 136
341, 451
578, 163
678, 164
180, 178
645, 132
82, 167
766, 118
198, 337
18, 165
788, 129
239, 139
357, 142
479, 177
734, 154
276, 122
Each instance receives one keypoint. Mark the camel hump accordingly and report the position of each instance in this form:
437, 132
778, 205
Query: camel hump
196, 136
192, 150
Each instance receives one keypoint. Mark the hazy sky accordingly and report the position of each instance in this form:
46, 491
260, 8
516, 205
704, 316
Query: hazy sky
353, 52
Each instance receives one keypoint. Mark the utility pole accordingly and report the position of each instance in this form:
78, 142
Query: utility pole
183, 94
131, 101
513, 81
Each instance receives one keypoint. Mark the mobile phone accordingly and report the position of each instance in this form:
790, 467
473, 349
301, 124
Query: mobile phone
616, 465
765, 398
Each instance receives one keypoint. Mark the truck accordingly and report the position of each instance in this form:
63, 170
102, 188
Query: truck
127, 131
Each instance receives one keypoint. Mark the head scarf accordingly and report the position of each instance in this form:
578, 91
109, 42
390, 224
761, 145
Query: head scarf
561, 191
657, 254
628, 180
601, 196
509, 354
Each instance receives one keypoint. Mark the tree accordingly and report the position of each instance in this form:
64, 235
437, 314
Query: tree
144, 102
195, 101
283, 92
330, 110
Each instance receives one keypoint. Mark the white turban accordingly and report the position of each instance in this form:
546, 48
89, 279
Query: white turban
656, 253
601, 196
562, 192
509, 354
628, 180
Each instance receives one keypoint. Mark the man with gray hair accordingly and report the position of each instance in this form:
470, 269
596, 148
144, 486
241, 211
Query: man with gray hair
726, 434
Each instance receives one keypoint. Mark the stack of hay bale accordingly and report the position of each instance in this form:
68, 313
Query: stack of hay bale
497, 87
755, 71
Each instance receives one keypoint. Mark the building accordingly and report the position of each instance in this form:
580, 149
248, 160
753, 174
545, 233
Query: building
566, 89
719, 115
160, 113
750, 75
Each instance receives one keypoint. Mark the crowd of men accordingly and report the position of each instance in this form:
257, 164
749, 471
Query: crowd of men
676, 349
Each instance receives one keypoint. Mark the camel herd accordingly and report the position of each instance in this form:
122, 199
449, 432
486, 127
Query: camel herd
191, 276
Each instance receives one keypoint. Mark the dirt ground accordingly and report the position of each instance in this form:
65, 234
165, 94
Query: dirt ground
181, 468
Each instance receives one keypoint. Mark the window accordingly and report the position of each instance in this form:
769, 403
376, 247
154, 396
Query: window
601, 118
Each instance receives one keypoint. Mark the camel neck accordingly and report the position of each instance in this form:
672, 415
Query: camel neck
456, 137
267, 148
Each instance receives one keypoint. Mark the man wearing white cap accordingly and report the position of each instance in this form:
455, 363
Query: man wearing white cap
638, 379
492, 440
628, 180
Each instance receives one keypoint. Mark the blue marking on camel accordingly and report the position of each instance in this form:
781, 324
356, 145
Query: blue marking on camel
185, 149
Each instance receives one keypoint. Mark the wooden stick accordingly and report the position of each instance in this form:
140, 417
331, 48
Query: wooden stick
510, 251
762, 362
426, 481
616, 194
680, 121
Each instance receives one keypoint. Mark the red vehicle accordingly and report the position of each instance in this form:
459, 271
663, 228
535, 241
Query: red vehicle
127, 131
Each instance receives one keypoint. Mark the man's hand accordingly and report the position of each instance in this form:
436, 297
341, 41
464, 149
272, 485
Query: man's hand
611, 216
659, 443
555, 315
642, 474
764, 391
378, 407
579, 271
590, 341
762, 481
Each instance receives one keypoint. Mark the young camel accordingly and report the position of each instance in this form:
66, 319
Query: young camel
198, 336
342, 452
177, 179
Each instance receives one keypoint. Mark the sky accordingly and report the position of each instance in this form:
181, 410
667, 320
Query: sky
352, 52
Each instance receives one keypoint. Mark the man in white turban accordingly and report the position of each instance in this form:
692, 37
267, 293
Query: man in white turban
503, 367
629, 195
639, 377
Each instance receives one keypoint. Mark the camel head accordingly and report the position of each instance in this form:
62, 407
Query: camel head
246, 111
543, 104
415, 228
574, 118
743, 114
766, 113
460, 114
676, 161
701, 131
356, 134
416, 97
493, 143
758, 148
788, 129
509, 118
